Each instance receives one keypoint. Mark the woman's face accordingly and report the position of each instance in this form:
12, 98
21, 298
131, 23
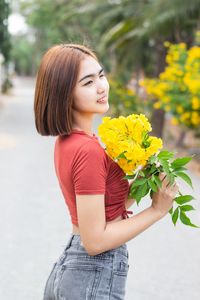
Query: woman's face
91, 86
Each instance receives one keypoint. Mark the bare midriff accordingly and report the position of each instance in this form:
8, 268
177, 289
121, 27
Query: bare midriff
75, 229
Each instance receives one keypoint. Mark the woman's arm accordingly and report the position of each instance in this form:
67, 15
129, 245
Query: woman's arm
98, 236
129, 203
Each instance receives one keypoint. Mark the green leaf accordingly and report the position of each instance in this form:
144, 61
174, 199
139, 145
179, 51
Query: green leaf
171, 211
132, 193
152, 159
165, 165
186, 207
121, 155
153, 169
140, 192
185, 220
179, 162
183, 199
145, 171
137, 195
165, 154
144, 135
138, 182
157, 181
175, 216
185, 177
129, 176
146, 144
145, 189
152, 185
171, 178
179, 169
142, 173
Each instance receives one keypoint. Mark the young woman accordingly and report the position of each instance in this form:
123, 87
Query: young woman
71, 88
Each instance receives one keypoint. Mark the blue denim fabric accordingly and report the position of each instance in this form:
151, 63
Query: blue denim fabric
78, 276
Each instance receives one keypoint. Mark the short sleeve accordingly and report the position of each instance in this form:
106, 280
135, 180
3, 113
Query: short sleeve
89, 169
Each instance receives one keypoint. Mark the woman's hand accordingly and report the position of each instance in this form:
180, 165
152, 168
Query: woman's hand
163, 198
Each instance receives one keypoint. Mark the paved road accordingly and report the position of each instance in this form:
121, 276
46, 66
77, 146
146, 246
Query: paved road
34, 223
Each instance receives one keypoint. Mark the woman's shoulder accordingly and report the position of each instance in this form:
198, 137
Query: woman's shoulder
80, 145
92, 147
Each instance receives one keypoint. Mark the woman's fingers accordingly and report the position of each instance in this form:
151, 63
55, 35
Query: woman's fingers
163, 178
166, 183
173, 190
170, 185
176, 187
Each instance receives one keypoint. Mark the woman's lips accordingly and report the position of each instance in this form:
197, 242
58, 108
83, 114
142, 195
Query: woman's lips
103, 100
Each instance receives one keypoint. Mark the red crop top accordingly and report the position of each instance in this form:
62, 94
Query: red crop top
83, 167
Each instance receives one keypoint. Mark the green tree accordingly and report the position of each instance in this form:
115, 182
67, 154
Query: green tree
58, 22
139, 33
5, 45
23, 55
128, 35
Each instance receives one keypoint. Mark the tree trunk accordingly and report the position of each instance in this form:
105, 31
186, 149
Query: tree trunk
181, 139
157, 121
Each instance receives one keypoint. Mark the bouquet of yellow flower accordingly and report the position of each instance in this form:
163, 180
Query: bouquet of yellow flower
138, 154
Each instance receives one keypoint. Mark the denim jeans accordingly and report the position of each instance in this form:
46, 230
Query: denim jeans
79, 276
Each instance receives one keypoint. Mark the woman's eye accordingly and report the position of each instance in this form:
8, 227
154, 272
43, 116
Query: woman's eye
88, 82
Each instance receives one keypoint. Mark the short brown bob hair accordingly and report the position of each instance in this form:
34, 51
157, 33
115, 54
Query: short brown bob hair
56, 79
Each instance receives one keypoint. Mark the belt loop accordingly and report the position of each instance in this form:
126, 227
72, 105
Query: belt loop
69, 241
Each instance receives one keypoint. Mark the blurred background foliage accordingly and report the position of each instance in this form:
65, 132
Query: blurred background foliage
128, 37
5, 45
177, 88
123, 98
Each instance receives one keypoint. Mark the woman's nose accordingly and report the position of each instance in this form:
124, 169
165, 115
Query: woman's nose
100, 89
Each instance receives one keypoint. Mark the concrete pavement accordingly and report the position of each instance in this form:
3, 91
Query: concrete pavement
35, 225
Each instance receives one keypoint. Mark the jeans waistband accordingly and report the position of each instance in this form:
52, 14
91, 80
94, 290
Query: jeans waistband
75, 239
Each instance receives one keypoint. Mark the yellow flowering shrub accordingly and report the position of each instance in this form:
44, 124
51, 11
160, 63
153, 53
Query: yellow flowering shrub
123, 100
177, 90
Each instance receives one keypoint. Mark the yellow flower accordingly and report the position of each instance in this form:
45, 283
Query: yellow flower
127, 103
182, 45
167, 107
194, 52
166, 44
174, 121
195, 118
185, 116
127, 140
157, 105
195, 103
130, 92
166, 99
179, 109
177, 89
